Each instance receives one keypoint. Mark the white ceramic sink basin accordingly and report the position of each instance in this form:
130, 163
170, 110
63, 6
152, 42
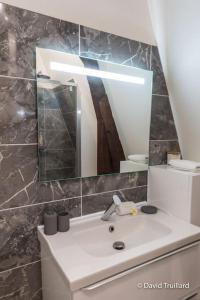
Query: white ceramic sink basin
84, 255
132, 231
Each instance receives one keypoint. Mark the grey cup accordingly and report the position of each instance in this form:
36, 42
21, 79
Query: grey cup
50, 223
63, 222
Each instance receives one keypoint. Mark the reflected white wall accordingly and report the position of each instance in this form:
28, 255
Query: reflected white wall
131, 108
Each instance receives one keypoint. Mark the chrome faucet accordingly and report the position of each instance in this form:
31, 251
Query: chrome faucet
111, 208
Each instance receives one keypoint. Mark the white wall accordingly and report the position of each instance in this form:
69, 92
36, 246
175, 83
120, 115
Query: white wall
128, 18
129, 104
177, 29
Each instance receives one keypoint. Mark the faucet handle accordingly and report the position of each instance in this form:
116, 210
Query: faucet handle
117, 200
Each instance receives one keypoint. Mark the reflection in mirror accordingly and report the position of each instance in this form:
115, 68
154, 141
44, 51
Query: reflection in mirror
93, 116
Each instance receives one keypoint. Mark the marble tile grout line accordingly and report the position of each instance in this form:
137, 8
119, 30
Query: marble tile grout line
112, 191
21, 266
79, 39
81, 196
151, 61
159, 95
40, 203
31, 144
16, 77
176, 140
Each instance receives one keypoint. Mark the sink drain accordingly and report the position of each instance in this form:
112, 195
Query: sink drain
119, 245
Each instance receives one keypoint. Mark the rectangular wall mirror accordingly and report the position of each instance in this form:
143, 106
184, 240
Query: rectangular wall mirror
93, 116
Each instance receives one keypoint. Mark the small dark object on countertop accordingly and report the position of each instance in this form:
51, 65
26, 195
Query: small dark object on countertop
50, 223
149, 209
63, 222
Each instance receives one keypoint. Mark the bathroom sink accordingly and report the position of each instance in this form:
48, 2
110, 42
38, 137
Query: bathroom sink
98, 240
85, 255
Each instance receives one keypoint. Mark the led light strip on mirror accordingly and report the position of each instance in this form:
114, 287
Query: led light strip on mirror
95, 73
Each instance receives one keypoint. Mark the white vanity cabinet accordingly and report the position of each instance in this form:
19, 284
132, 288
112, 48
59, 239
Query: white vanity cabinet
181, 267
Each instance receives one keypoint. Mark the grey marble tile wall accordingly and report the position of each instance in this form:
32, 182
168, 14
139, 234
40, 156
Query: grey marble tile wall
21, 283
23, 199
57, 120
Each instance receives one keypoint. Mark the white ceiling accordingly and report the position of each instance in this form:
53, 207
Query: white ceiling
128, 18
